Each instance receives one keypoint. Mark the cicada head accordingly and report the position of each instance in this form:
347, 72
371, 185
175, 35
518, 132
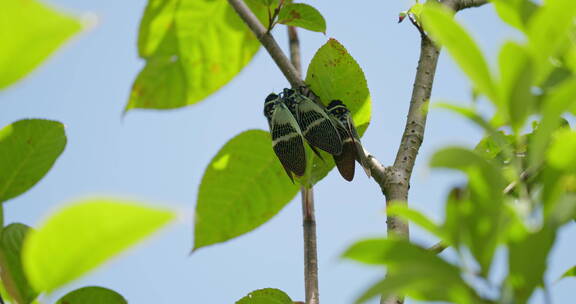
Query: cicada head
269, 105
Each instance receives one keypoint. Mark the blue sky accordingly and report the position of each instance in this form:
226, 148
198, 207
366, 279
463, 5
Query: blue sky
159, 156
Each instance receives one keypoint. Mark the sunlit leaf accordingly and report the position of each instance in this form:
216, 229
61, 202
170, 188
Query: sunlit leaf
30, 31
516, 78
526, 271
516, 13
82, 236
28, 149
562, 152
548, 31
266, 296
302, 15
92, 295
569, 273
414, 216
481, 211
334, 74
439, 22
243, 187
411, 271
11, 271
192, 48
558, 101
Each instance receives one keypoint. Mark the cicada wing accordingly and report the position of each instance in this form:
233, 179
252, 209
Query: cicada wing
317, 127
345, 161
287, 141
359, 149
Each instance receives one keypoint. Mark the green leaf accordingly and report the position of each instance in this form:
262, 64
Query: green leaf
526, 271
302, 15
11, 272
562, 152
411, 271
192, 49
243, 187
548, 31
334, 74
516, 78
31, 31
569, 273
498, 137
481, 211
92, 295
82, 236
516, 13
439, 22
414, 216
28, 149
266, 296
558, 100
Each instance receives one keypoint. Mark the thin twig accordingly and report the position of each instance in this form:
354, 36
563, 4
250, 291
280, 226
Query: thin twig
308, 217
268, 42
295, 50
310, 250
458, 5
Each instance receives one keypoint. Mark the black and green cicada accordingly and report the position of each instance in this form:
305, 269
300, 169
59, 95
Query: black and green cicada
352, 149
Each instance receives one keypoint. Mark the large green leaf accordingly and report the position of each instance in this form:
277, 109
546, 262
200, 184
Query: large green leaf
548, 31
439, 22
517, 13
11, 271
562, 152
266, 296
28, 149
526, 270
82, 236
30, 31
481, 212
192, 48
516, 77
411, 271
334, 74
243, 187
92, 295
558, 101
302, 15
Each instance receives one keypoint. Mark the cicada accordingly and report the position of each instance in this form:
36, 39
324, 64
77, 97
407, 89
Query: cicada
287, 140
352, 149
317, 127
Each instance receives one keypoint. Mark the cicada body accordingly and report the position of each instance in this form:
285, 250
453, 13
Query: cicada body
352, 149
317, 127
287, 140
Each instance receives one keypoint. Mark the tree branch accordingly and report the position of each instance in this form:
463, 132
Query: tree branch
268, 42
397, 181
310, 249
458, 5
308, 217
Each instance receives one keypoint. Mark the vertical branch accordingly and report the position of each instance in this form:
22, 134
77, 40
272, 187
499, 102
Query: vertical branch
397, 182
310, 251
295, 50
308, 217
